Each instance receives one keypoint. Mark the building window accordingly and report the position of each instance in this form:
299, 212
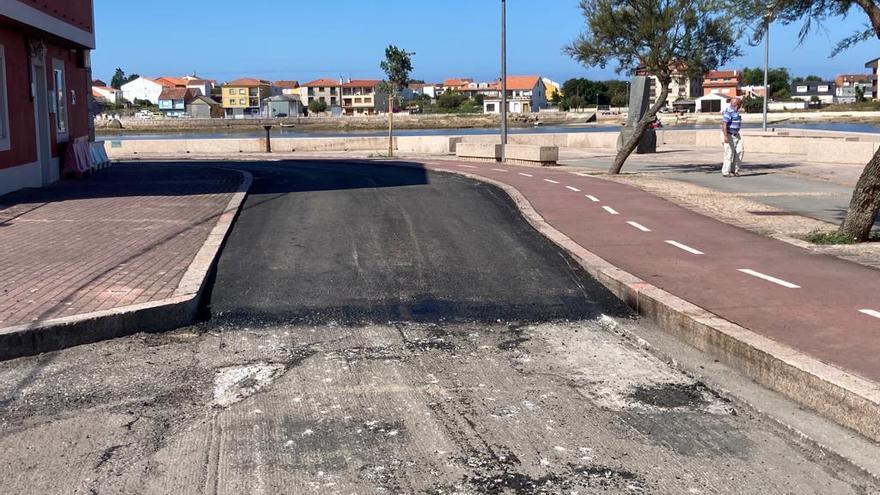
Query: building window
801, 89
231, 103
242, 92
241, 102
60, 99
4, 111
823, 89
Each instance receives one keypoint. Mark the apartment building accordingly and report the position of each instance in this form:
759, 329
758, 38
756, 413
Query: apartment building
683, 91
722, 82
326, 90
359, 96
243, 98
525, 94
847, 87
45, 87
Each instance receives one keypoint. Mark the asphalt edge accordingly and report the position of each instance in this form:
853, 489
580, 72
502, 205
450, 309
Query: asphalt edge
842, 397
156, 316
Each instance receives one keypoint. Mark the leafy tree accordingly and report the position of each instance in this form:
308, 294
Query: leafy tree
778, 79
588, 91
860, 95
753, 105
801, 80
865, 202
451, 99
685, 38
118, 79
617, 93
317, 106
782, 95
397, 66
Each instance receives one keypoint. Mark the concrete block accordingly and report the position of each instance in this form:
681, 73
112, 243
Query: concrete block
542, 155
482, 151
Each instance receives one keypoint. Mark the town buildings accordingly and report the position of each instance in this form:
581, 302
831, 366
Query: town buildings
204, 107
359, 97
683, 90
722, 82
173, 101
874, 65
45, 87
849, 87
814, 91
282, 106
106, 94
290, 88
525, 94
244, 97
326, 90
142, 89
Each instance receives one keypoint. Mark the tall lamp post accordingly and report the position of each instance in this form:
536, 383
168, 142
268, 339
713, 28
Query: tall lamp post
766, 64
503, 81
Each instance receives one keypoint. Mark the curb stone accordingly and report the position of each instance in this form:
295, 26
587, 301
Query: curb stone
156, 316
840, 396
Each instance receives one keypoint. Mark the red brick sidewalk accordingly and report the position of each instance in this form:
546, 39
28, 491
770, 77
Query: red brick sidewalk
123, 237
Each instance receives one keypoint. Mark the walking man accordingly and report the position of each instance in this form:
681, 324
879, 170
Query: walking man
731, 121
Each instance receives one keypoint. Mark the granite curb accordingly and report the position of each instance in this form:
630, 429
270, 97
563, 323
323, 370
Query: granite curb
156, 316
845, 398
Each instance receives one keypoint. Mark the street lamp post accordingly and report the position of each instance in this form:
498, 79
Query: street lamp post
766, 67
503, 81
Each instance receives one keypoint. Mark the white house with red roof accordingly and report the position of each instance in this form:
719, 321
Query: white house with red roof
142, 88
326, 90
525, 94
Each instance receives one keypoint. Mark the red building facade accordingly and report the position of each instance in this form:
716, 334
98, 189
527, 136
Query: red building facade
45, 82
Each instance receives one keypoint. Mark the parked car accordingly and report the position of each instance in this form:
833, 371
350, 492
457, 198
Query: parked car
280, 115
144, 115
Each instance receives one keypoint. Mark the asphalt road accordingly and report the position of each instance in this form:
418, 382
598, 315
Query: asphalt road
386, 330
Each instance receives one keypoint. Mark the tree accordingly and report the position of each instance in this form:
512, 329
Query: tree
777, 79
801, 80
860, 95
451, 99
865, 202
618, 92
118, 79
665, 38
317, 106
397, 66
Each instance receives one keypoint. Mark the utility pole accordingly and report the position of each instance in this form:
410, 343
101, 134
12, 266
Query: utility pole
766, 66
390, 121
503, 81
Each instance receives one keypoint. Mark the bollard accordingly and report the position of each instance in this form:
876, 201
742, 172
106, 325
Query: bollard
268, 138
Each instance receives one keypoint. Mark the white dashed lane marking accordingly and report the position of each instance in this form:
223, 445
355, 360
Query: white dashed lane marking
685, 247
551, 181
768, 278
526, 175
499, 170
572, 189
610, 210
592, 198
870, 312
639, 226
467, 166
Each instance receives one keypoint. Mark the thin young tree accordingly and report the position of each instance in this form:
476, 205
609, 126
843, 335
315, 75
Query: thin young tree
865, 202
665, 38
397, 66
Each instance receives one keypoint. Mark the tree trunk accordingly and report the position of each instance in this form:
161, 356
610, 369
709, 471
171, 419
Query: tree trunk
630, 145
390, 124
865, 203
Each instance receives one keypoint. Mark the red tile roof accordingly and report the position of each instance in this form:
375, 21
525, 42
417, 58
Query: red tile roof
723, 74
184, 94
362, 83
286, 84
322, 83
247, 82
170, 82
455, 82
522, 83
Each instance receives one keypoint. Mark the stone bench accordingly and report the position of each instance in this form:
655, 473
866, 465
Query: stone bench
525, 154
490, 152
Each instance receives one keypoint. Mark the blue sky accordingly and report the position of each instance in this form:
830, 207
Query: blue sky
453, 38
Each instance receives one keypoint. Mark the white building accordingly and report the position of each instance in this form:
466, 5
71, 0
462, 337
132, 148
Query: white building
525, 94
107, 94
712, 103
142, 88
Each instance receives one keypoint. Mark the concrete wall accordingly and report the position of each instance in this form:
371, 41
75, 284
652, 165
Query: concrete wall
805, 146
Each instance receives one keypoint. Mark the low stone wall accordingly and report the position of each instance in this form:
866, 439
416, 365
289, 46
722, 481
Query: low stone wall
802, 146
479, 151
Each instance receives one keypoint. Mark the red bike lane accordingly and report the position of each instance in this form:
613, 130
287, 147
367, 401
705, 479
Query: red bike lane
823, 306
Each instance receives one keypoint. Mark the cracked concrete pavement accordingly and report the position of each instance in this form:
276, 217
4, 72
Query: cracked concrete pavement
452, 354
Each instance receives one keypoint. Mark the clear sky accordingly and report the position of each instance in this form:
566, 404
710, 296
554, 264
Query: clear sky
223, 40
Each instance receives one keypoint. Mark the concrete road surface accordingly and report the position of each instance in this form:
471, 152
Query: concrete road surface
386, 330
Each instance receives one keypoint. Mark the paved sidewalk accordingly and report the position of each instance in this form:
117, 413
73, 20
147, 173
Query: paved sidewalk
822, 306
814, 190
123, 237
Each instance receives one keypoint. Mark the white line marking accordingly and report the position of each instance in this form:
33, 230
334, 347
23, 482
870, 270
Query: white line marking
870, 312
499, 170
610, 210
526, 175
639, 226
467, 166
768, 278
592, 198
685, 248
572, 189
551, 181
